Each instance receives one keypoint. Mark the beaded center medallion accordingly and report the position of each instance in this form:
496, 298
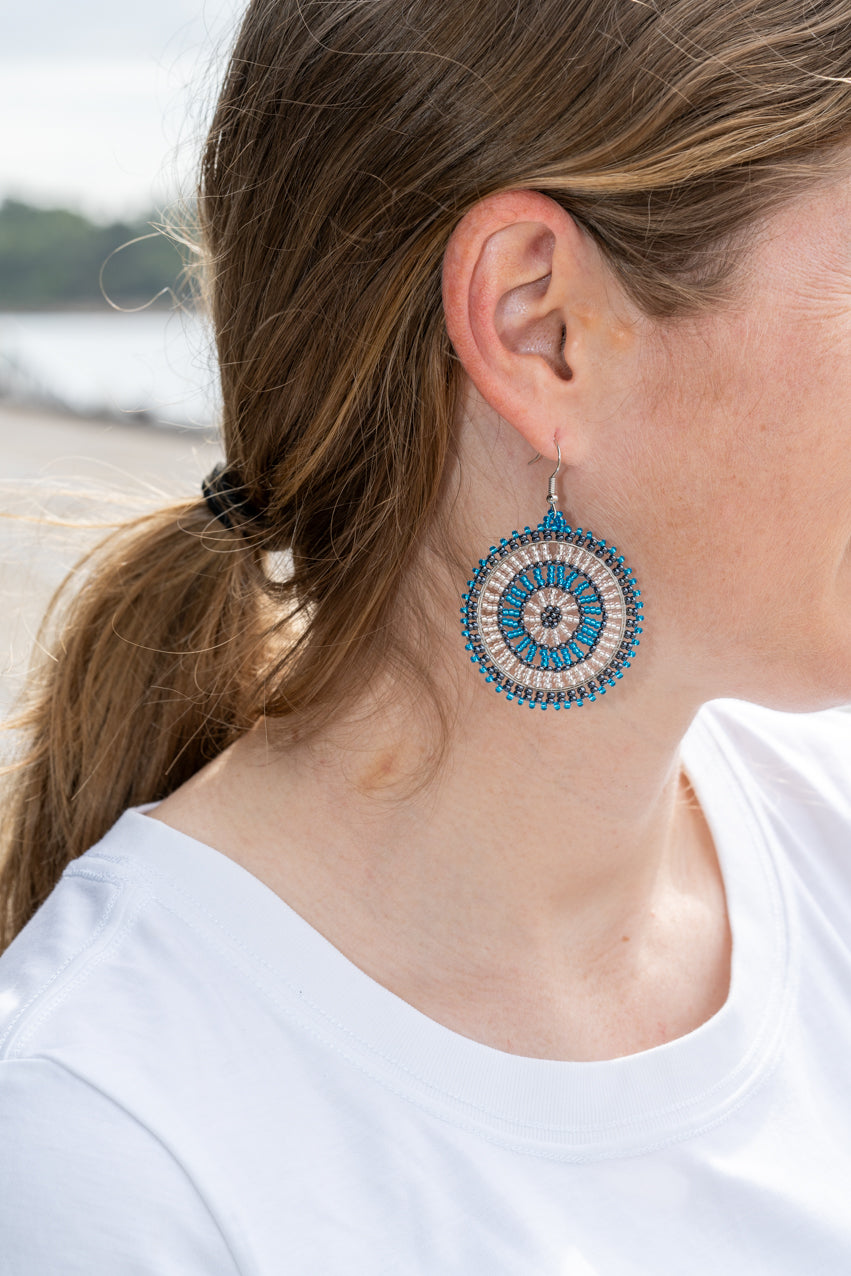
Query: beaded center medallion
551, 615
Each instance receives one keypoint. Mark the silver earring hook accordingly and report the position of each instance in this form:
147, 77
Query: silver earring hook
551, 485
552, 495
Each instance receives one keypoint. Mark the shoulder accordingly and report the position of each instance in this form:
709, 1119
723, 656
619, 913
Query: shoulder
111, 958
93, 1073
88, 913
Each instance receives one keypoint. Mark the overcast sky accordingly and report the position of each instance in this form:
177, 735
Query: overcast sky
103, 104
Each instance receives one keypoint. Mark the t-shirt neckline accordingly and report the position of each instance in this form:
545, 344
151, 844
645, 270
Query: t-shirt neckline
566, 1110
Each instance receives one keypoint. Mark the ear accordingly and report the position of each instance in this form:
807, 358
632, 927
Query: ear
524, 294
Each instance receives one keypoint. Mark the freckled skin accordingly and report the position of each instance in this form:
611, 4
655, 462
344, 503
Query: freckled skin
738, 423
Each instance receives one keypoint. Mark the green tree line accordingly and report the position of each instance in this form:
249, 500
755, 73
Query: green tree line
53, 258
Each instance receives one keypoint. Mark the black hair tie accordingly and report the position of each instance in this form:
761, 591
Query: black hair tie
221, 488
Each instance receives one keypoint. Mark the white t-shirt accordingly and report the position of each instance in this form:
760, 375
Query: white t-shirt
193, 1080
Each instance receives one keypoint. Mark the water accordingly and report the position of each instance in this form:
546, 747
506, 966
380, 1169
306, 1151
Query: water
157, 364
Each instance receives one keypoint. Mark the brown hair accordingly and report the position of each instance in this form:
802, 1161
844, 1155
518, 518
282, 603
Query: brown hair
348, 141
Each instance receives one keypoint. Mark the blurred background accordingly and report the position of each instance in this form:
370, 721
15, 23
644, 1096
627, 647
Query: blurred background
108, 396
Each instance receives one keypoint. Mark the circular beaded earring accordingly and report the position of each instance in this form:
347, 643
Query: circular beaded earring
552, 614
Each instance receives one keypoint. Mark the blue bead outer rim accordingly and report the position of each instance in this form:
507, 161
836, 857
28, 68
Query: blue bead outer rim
554, 527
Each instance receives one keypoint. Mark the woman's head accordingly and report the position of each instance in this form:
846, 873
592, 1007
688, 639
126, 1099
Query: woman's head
349, 143
353, 143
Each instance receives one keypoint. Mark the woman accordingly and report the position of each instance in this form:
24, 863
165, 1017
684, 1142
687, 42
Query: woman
355, 964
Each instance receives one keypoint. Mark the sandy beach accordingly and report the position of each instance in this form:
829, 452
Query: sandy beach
58, 467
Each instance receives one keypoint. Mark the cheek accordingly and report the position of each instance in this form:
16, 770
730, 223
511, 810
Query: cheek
747, 513
759, 449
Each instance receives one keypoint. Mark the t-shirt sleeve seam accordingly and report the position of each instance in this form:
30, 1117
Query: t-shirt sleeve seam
43, 990
117, 920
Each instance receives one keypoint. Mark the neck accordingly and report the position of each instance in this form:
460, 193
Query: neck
552, 892
538, 825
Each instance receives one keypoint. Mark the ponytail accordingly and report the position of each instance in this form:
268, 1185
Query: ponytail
151, 680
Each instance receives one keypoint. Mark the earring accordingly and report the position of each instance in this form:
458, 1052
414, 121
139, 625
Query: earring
552, 614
